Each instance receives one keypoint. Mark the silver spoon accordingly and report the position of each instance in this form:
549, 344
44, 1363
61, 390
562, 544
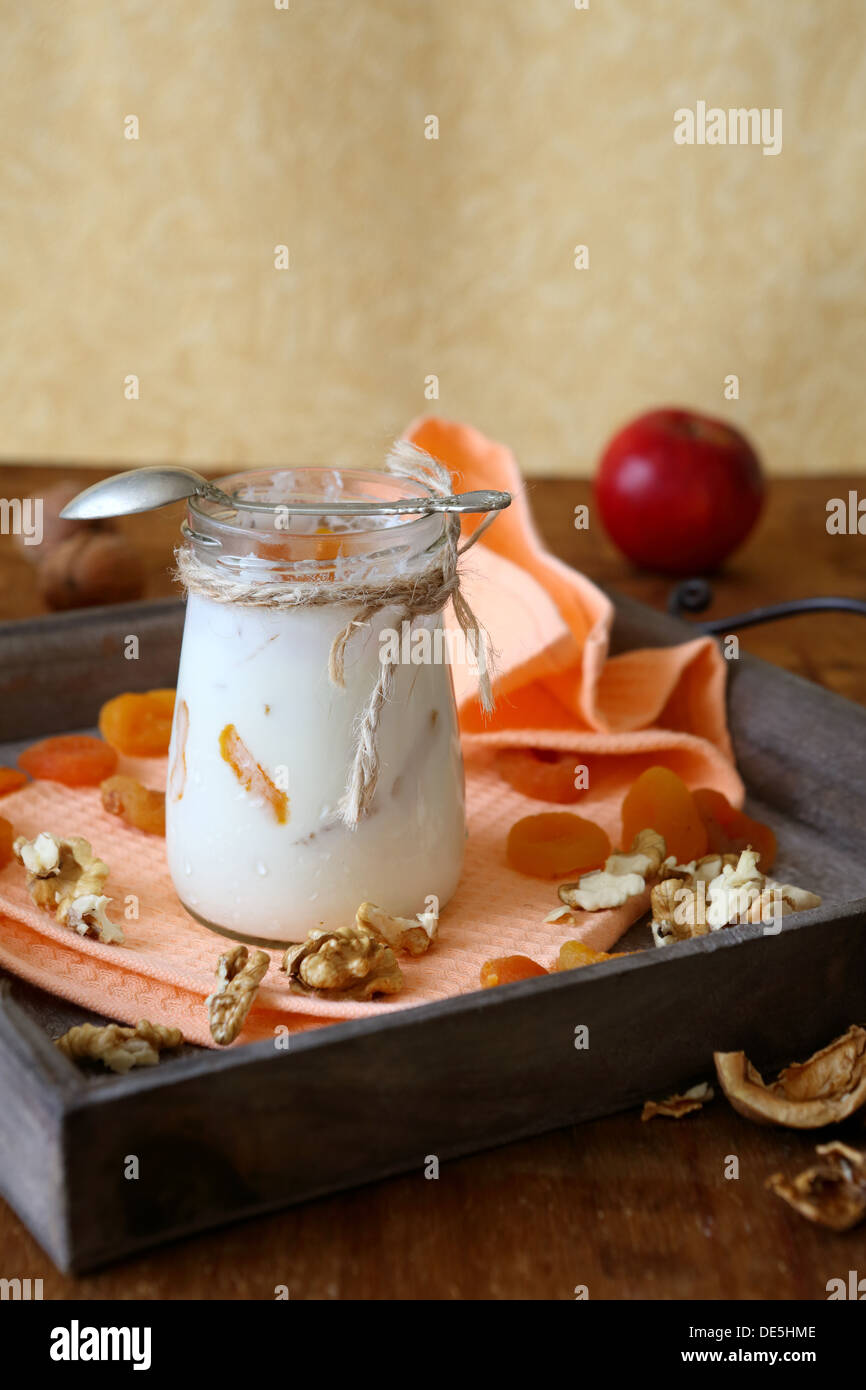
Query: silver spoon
141, 489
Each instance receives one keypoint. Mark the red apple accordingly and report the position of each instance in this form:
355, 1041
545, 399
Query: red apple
678, 492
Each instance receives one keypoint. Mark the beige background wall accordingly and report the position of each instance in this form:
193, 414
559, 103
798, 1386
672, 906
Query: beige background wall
411, 257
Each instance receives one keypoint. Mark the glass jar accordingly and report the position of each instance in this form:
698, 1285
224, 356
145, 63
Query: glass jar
263, 739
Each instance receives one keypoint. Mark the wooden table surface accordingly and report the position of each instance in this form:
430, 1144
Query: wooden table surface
626, 1209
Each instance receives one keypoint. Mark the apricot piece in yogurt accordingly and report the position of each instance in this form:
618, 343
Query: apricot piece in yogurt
251, 774
177, 771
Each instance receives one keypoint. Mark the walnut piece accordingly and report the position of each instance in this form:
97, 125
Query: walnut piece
832, 1193
624, 876
785, 897
823, 1090
65, 877
676, 912
677, 1106
644, 857
599, 890
117, 1047
239, 976
40, 857
349, 963
719, 891
709, 866
412, 934
733, 892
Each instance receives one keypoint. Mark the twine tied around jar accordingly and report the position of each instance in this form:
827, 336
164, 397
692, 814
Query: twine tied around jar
415, 596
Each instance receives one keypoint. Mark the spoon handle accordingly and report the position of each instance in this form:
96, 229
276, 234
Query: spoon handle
403, 506
484, 501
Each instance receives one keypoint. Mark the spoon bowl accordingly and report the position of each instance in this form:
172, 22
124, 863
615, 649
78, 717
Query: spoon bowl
140, 490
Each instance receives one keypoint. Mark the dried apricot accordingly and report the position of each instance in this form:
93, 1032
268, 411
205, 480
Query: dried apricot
730, 831
273, 549
251, 774
138, 725
11, 780
76, 760
287, 548
506, 969
575, 953
328, 544
140, 806
7, 837
556, 844
660, 800
545, 774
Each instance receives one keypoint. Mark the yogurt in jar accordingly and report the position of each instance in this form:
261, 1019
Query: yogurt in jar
263, 742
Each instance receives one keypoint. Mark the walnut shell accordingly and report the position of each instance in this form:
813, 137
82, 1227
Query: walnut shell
90, 568
832, 1193
54, 528
684, 1103
807, 1095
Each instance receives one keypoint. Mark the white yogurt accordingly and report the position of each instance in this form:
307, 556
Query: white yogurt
264, 672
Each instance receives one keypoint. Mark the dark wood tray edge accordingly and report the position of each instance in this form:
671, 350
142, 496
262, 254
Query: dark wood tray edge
210, 1061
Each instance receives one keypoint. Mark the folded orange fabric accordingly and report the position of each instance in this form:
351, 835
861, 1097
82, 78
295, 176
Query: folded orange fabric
556, 688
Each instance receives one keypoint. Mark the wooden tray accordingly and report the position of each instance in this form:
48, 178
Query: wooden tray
225, 1135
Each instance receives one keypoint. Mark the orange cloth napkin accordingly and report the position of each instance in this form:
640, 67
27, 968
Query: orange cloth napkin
556, 688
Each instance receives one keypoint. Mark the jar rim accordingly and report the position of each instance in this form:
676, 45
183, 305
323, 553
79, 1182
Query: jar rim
208, 508
211, 528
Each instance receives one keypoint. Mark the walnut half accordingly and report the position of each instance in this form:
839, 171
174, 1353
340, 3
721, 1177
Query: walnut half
415, 935
239, 976
65, 877
348, 963
117, 1047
